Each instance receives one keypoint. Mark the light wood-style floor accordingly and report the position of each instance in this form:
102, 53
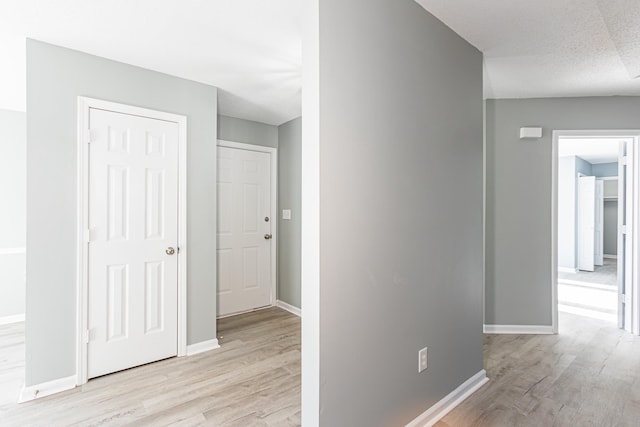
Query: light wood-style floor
252, 380
11, 364
588, 375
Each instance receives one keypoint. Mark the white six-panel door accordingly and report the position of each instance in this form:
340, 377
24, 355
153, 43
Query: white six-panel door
244, 230
132, 259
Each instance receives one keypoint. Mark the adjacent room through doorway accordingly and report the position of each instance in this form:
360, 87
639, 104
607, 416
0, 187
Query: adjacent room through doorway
588, 193
596, 211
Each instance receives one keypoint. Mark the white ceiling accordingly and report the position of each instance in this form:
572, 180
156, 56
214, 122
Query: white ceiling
250, 49
550, 48
592, 150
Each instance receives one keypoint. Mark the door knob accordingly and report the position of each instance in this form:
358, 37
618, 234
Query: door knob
268, 236
170, 251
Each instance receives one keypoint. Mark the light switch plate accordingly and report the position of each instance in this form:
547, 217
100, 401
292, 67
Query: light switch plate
286, 213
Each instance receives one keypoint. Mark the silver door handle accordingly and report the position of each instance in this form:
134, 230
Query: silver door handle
267, 236
170, 251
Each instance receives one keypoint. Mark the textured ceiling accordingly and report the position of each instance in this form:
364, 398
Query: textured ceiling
550, 48
250, 49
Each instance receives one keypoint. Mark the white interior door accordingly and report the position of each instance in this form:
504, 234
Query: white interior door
133, 220
625, 233
244, 230
599, 223
586, 222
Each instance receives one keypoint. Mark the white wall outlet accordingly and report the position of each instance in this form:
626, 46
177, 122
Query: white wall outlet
286, 213
422, 360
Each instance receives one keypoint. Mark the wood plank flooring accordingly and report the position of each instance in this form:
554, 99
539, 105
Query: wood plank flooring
588, 375
252, 380
11, 364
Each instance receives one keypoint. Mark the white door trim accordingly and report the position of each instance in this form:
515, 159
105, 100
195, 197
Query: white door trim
273, 152
84, 104
596, 134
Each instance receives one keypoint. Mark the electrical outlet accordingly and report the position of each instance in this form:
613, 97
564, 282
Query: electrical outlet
422, 360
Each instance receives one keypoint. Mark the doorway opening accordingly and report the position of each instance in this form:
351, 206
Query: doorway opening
595, 210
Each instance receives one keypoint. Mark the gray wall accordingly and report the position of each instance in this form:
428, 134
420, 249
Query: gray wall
610, 227
518, 198
583, 167
289, 197
400, 211
605, 169
247, 131
55, 77
13, 214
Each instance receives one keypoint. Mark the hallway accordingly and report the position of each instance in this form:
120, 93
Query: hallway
587, 375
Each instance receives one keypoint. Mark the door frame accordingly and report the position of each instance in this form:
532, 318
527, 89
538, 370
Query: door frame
633, 134
273, 154
82, 217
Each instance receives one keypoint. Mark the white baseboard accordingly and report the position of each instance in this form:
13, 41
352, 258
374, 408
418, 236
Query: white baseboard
450, 401
46, 389
610, 256
290, 308
203, 346
6, 320
567, 270
518, 329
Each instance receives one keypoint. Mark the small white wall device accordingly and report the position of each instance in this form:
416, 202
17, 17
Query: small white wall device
527, 133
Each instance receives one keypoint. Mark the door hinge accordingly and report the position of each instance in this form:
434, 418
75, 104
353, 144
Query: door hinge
178, 249
87, 136
90, 235
623, 229
623, 298
86, 336
623, 160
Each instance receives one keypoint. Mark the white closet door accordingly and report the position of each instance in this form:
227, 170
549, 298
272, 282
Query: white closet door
133, 220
